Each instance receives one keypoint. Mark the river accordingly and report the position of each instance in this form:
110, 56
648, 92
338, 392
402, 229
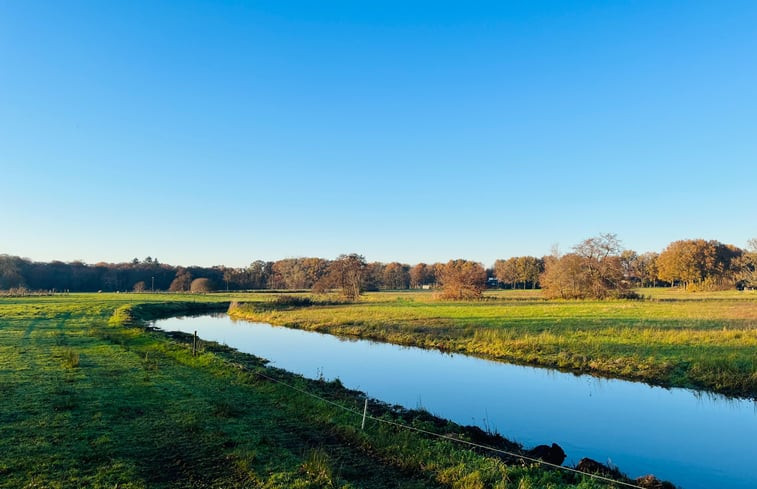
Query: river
696, 440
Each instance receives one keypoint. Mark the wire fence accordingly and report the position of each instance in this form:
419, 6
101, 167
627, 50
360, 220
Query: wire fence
500, 451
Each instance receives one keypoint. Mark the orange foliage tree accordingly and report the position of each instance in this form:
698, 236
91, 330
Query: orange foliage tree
461, 280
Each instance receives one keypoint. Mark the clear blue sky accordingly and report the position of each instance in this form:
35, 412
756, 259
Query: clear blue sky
224, 132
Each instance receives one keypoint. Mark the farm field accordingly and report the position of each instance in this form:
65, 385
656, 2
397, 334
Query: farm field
672, 338
90, 398
463, 245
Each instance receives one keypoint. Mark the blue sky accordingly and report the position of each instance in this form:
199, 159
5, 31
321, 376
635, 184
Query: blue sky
224, 132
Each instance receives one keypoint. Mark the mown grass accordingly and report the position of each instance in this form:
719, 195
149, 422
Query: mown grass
90, 398
672, 338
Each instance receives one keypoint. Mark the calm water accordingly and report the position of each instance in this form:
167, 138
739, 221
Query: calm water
695, 440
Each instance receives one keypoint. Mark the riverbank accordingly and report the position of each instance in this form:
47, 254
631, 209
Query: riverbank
93, 399
682, 340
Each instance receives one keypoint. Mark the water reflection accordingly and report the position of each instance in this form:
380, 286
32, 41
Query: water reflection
696, 439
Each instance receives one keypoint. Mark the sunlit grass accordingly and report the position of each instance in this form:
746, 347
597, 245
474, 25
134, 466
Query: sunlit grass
90, 399
672, 338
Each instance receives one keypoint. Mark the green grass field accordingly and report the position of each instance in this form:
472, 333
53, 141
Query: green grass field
672, 338
90, 398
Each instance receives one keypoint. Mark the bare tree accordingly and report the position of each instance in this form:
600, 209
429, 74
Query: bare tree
347, 273
594, 269
746, 266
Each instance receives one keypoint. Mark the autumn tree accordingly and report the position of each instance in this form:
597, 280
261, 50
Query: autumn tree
139, 286
237, 279
646, 268
287, 274
523, 270
297, 273
696, 263
683, 261
564, 277
462, 280
258, 274
373, 276
315, 268
396, 276
421, 274
506, 271
347, 273
182, 282
529, 268
594, 269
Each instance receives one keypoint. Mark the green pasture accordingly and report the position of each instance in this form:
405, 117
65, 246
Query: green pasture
672, 338
90, 398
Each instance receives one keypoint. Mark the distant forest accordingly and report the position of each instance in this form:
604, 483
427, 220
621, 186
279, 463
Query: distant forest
597, 263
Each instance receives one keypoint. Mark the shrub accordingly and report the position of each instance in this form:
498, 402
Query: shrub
462, 280
293, 301
201, 285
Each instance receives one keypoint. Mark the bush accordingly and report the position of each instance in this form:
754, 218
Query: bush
282, 302
630, 295
292, 301
462, 280
201, 285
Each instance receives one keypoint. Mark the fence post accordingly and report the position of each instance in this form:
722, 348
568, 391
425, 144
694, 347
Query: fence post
365, 411
194, 345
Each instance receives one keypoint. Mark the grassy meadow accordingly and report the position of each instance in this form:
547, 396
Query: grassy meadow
672, 338
89, 397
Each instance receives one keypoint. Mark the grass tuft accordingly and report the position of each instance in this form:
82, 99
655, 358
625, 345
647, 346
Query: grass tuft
70, 358
317, 466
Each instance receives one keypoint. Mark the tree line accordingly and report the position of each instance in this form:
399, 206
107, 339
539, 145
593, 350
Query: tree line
597, 267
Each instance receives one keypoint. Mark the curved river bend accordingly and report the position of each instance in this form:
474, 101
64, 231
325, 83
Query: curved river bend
696, 440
